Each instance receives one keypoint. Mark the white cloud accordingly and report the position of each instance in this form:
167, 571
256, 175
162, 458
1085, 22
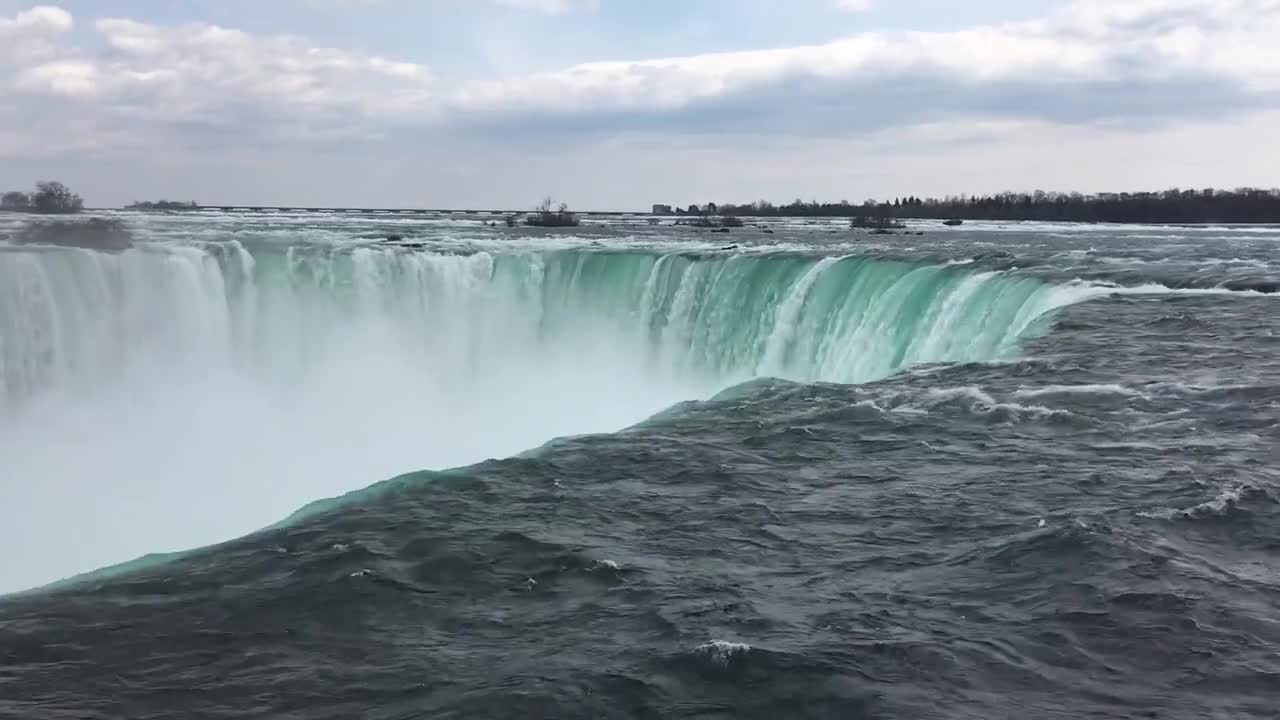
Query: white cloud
65, 77
190, 69
546, 7
854, 5
1091, 41
33, 34
39, 19
550, 7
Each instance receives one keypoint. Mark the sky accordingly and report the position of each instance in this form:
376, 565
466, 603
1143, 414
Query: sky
619, 104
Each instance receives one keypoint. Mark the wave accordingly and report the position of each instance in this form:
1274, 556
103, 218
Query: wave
1102, 390
1162, 289
1206, 282
976, 402
1229, 500
723, 653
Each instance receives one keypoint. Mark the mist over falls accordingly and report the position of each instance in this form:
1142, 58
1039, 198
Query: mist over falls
175, 395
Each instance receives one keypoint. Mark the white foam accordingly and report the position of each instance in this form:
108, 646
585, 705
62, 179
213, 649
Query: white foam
1221, 503
1157, 289
722, 652
979, 402
1104, 389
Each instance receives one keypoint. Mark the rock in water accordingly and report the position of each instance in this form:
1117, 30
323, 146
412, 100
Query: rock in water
94, 234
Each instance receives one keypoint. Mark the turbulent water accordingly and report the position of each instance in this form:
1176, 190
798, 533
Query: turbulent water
987, 472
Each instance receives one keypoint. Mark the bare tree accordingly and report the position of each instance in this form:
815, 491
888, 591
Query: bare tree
53, 197
545, 216
15, 202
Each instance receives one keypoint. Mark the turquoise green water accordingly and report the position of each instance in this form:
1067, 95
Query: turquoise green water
713, 319
803, 318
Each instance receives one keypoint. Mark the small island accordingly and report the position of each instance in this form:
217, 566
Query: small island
107, 234
881, 222
544, 216
54, 198
712, 216
166, 205
50, 198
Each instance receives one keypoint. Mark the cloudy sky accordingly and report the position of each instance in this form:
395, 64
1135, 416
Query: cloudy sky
617, 104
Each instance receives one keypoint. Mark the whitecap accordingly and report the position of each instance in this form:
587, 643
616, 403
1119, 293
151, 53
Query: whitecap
1078, 390
1220, 505
722, 652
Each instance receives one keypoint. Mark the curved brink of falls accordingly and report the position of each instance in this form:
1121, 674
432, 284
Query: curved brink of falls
79, 318
174, 396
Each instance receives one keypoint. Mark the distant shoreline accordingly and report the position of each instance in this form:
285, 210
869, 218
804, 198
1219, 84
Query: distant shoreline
1242, 206
1246, 207
275, 209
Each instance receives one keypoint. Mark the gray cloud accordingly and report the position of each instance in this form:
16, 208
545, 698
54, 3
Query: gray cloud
1176, 58
820, 107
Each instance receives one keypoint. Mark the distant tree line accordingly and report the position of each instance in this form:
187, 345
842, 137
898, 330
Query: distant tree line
1242, 205
163, 205
49, 198
870, 215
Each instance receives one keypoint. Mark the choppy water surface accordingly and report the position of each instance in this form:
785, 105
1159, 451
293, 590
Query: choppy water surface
999, 471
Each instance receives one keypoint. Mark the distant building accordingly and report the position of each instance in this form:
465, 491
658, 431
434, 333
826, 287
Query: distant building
662, 210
